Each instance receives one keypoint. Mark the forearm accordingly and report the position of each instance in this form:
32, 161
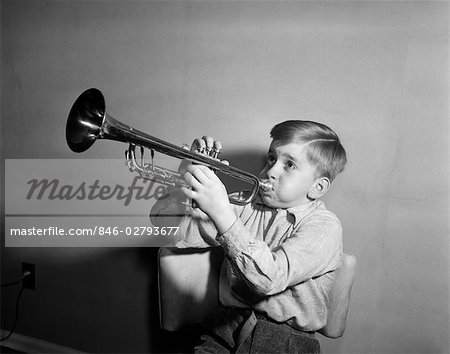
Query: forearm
223, 218
263, 271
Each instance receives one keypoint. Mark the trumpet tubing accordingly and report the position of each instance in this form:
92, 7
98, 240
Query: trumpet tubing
88, 121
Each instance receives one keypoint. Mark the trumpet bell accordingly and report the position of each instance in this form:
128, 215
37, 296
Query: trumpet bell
85, 120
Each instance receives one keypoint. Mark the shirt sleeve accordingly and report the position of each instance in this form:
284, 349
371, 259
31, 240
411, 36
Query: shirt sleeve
313, 249
198, 230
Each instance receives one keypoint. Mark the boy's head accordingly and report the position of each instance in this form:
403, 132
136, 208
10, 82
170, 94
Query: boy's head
324, 150
303, 159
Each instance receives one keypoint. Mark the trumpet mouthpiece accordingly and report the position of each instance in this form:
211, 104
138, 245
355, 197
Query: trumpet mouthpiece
265, 185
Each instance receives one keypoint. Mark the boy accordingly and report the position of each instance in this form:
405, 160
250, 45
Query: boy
280, 250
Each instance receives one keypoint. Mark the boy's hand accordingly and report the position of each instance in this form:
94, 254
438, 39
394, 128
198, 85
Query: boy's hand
210, 195
207, 189
205, 146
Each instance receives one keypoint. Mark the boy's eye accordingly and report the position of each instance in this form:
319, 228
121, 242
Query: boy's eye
290, 165
270, 160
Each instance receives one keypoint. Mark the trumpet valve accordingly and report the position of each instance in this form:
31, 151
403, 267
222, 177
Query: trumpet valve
217, 149
215, 154
129, 161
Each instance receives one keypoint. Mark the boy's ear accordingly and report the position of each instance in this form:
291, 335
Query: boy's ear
319, 188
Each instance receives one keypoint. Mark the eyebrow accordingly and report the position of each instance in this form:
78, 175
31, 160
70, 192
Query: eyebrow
289, 156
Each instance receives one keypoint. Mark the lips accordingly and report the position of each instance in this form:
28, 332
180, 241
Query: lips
267, 192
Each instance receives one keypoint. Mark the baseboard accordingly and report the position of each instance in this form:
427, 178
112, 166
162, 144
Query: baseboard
27, 344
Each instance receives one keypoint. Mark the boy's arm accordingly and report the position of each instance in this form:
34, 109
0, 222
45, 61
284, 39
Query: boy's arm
311, 251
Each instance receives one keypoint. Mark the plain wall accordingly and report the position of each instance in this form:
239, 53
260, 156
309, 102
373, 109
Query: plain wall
376, 72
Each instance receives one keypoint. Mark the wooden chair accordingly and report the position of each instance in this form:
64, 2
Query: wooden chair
188, 288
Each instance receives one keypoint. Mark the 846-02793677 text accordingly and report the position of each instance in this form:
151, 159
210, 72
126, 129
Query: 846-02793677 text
97, 231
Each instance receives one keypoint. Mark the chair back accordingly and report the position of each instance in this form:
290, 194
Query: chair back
188, 285
339, 298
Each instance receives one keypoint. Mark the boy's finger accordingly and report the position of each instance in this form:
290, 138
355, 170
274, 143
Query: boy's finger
189, 193
216, 150
208, 172
209, 141
202, 173
198, 145
192, 180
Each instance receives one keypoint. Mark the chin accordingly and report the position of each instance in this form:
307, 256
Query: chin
271, 202
275, 203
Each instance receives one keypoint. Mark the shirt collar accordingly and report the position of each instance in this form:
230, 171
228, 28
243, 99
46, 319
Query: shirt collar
298, 211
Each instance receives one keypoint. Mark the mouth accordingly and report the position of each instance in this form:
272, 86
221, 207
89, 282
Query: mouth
268, 197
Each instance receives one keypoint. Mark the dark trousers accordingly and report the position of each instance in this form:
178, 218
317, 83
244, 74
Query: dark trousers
223, 326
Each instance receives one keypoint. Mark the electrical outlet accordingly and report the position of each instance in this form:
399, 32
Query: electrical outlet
29, 282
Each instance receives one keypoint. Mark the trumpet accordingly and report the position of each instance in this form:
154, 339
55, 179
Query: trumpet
88, 121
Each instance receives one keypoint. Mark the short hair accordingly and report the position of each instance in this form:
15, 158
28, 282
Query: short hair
324, 149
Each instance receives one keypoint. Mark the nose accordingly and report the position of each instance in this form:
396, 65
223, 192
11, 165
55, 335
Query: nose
272, 172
